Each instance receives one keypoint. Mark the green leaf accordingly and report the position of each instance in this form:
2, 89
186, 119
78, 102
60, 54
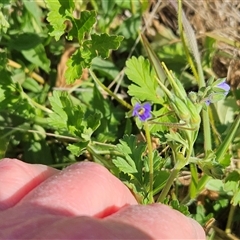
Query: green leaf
4, 145
233, 176
145, 87
215, 185
194, 181
24, 41
163, 119
100, 45
12, 98
57, 119
232, 184
38, 57
200, 215
111, 120
132, 162
107, 6
130, 27
225, 161
222, 149
77, 148
181, 208
126, 165
105, 67
35, 11
70, 118
160, 180
4, 25
76, 63
226, 110
93, 120
58, 15
3, 62
97, 45
236, 198
31, 85
82, 26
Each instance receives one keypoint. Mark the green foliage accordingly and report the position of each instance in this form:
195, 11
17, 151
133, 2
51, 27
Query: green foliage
70, 120
201, 215
132, 163
181, 208
98, 45
134, 166
59, 11
232, 184
145, 84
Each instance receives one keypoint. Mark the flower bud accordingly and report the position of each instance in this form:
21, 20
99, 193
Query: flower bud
210, 81
179, 89
193, 97
195, 116
181, 109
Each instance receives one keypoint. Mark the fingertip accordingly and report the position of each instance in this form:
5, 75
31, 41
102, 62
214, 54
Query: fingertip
160, 221
18, 178
198, 231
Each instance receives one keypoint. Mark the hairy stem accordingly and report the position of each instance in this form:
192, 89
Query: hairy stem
150, 160
112, 94
230, 219
168, 185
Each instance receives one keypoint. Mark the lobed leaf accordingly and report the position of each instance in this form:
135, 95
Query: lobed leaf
139, 72
56, 18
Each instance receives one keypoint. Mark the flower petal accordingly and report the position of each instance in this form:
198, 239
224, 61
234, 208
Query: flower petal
136, 109
143, 112
224, 86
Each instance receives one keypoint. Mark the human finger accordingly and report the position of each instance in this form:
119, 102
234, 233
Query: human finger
155, 221
159, 221
18, 178
84, 188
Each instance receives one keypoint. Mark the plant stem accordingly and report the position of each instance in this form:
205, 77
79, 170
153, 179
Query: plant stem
230, 219
112, 149
100, 159
206, 131
150, 160
15, 129
222, 149
34, 75
168, 185
35, 104
121, 101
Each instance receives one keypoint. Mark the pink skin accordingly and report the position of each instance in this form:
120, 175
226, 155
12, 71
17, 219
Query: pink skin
84, 201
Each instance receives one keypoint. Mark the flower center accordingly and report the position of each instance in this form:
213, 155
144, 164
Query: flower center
141, 111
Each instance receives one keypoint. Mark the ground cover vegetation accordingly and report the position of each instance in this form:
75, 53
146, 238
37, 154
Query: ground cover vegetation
149, 89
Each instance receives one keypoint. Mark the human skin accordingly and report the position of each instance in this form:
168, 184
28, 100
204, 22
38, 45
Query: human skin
83, 201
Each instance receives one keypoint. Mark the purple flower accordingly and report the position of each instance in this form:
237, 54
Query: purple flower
223, 85
208, 101
143, 112
214, 97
